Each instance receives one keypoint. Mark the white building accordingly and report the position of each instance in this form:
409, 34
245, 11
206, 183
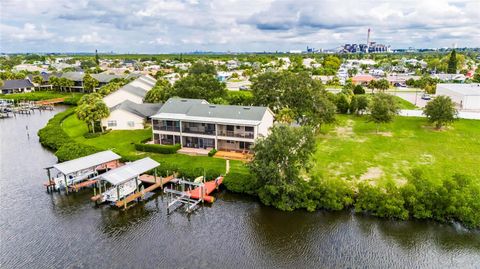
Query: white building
134, 91
466, 96
194, 123
129, 115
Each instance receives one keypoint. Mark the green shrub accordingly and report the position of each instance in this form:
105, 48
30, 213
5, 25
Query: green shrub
70, 151
52, 135
241, 182
212, 152
93, 135
163, 149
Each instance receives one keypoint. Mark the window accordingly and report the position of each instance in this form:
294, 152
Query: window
131, 123
112, 123
248, 129
230, 127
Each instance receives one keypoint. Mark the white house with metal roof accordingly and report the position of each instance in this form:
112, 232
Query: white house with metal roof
134, 91
127, 110
129, 115
466, 96
194, 123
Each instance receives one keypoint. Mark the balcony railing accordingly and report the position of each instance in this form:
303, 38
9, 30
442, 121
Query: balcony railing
236, 134
166, 128
198, 131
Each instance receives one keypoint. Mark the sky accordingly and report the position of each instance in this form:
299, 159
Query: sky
158, 26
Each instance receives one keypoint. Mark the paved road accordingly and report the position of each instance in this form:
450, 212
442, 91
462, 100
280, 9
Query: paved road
235, 86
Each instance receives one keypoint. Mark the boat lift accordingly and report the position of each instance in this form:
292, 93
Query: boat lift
81, 172
190, 194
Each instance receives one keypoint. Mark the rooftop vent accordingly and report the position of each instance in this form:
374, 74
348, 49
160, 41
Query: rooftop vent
212, 106
184, 100
246, 108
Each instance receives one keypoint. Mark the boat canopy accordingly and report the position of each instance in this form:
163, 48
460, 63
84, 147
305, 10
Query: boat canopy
129, 171
86, 162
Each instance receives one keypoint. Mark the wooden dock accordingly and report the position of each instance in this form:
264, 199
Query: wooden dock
146, 179
50, 101
83, 184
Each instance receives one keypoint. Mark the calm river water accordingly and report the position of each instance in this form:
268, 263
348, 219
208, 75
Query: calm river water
40, 230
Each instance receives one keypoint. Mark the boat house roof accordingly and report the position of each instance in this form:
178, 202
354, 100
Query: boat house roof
129, 171
89, 161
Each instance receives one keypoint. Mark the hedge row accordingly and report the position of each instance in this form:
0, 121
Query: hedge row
163, 149
55, 138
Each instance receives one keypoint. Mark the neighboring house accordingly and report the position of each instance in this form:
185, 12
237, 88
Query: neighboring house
466, 96
46, 85
77, 78
17, 86
362, 79
129, 115
400, 79
450, 77
194, 123
134, 91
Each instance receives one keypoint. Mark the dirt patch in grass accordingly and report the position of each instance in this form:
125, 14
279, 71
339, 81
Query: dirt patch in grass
372, 173
387, 134
426, 159
433, 129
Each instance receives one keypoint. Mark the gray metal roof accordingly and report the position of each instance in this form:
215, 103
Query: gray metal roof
143, 110
74, 76
105, 78
134, 90
129, 171
12, 84
86, 162
180, 105
197, 108
472, 89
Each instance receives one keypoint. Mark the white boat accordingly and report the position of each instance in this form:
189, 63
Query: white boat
73, 178
113, 194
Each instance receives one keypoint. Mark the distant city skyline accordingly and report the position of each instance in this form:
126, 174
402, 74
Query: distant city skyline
228, 25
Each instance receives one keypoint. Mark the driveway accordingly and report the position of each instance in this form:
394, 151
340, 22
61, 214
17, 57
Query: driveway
412, 97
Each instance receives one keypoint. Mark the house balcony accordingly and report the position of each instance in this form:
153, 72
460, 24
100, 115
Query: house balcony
249, 135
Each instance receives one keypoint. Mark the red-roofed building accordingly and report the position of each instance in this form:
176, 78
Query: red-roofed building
362, 79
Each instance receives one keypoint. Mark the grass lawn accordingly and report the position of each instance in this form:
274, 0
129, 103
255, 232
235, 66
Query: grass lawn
352, 150
122, 142
41, 95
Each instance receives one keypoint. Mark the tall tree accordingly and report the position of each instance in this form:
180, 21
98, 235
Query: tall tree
279, 162
97, 60
201, 67
382, 84
452, 63
91, 109
440, 111
89, 83
203, 86
160, 92
383, 109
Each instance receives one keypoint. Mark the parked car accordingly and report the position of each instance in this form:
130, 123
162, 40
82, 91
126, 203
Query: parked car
244, 88
426, 96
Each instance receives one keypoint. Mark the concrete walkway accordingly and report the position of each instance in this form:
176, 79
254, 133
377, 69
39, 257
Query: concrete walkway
461, 114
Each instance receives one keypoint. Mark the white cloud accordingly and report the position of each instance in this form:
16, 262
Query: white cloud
187, 25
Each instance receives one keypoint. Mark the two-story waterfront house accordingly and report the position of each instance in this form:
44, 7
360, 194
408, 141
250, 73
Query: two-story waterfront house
194, 123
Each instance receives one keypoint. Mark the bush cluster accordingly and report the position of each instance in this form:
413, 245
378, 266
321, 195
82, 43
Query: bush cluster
54, 137
212, 152
450, 199
163, 149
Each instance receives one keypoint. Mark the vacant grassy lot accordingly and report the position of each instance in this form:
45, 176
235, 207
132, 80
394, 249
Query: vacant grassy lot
352, 150
122, 142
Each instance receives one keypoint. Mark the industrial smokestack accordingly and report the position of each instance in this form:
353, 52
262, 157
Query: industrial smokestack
368, 39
